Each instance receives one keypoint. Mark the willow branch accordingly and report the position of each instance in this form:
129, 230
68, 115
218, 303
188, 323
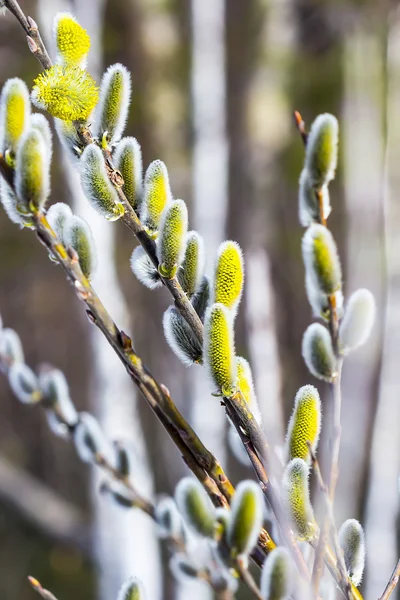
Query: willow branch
393, 581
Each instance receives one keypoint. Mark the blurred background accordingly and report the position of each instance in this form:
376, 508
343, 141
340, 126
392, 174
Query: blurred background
214, 87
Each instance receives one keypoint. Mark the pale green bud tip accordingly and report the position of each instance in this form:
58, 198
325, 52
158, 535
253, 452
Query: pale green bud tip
112, 111
318, 352
171, 240
39, 122
128, 160
277, 576
57, 216
219, 349
144, 270
32, 178
247, 512
157, 194
246, 386
192, 268
168, 519
358, 321
14, 113
72, 41
181, 338
195, 506
55, 393
309, 206
89, 438
96, 185
322, 149
78, 235
229, 275
11, 350
321, 259
297, 498
132, 590
305, 423
24, 383
351, 540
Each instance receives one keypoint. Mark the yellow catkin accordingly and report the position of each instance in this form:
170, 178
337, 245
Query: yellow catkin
229, 275
157, 194
72, 41
297, 498
14, 113
219, 351
304, 424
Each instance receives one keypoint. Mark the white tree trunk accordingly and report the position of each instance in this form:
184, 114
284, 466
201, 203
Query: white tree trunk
124, 541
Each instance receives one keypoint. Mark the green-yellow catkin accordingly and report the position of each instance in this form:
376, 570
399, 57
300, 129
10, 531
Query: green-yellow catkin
157, 194
128, 161
246, 386
247, 512
96, 185
192, 268
181, 338
351, 540
318, 352
72, 41
309, 206
305, 424
195, 506
322, 149
357, 322
57, 216
132, 590
277, 581
32, 177
113, 107
297, 499
229, 275
219, 348
15, 110
171, 239
39, 122
68, 93
77, 234
321, 259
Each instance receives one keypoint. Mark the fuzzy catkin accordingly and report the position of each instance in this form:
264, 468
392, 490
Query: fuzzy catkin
32, 177
181, 338
351, 540
113, 107
128, 160
229, 275
358, 320
304, 424
157, 194
78, 235
195, 506
277, 575
309, 208
322, 149
297, 499
192, 267
15, 110
219, 349
72, 40
247, 511
321, 259
143, 268
171, 239
57, 216
318, 352
132, 589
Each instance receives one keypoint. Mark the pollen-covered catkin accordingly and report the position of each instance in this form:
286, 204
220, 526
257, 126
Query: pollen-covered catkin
219, 349
32, 176
277, 576
322, 149
78, 235
247, 512
305, 424
128, 161
157, 194
113, 107
318, 352
297, 499
181, 338
96, 185
132, 590
72, 40
229, 275
351, 540
321, 259
192, 267
15, 110
357, 322
171, 239
195, 506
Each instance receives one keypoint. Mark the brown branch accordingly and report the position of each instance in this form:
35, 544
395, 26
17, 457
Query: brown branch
35, 42
393, 581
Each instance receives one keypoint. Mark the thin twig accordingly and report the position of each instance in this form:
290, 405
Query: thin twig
40, 590
393, 581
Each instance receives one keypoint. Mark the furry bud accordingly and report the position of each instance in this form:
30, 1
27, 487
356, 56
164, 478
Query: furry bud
132, 590
357, 322
201, 298
11, 350
168, 519
89, 438
72, 41
318, 352
321, 259
157, 194
113, 107
57, 216
144, 269
10, 204
32, 177
229, 275
351, 541
247, 512
246, 386
297, 499
69, 139
68, 93
15, 110
24, 383
219, 349
128, 161
192, 267
55, 394
78, 235
96, 185
277, 576
180, 338
309, 208
195, 506
305, 424
171, 240
322, 149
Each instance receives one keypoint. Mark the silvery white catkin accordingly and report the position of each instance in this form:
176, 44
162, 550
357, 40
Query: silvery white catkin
132, 589
112, 109
78, 235
55, 391
57, 216
144, 270
180, 338
89, 438
24, 383
318, 352
358, 320
195, 506
169, 521
277, 580
247, 513
10, 347
351, 540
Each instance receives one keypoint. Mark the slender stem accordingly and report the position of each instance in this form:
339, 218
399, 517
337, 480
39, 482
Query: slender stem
34, 39
393, 581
